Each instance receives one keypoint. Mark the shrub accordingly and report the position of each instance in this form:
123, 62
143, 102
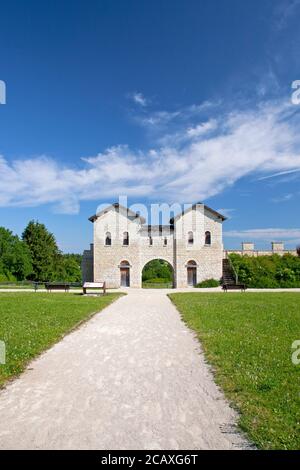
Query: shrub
265, 282
7, 277
268, 271
286, 275
208, 283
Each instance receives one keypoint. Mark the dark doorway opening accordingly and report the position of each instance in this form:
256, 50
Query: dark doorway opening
125, 274
191, 273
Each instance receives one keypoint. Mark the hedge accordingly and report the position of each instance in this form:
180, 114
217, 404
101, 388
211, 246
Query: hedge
271, 271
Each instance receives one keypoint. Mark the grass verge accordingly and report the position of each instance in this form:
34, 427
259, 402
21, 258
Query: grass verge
32, 322
247, 338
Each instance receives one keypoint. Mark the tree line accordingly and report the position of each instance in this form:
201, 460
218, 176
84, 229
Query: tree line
268, 271
35, 256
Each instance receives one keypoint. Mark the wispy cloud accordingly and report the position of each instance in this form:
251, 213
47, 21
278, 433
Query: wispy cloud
157, 119
201, 128
280, 173
266, 234
139, 98
284, 11
284, 198
177, 118
212, 156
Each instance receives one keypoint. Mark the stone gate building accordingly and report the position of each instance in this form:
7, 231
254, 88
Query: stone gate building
123, 244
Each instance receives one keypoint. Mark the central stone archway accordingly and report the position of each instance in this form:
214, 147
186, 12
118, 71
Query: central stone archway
158, 273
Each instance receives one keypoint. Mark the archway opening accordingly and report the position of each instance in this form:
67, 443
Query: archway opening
158, 274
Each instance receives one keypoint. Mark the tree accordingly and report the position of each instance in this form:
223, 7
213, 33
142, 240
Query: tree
72, 266
68, 268
15, 259
268, 271
298, 250
44, 251
157, 269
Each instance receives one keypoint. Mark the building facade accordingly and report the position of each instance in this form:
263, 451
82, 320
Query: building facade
123, 244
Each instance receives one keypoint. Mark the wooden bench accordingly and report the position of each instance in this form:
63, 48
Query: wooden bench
227, 287
57, 286
93, 285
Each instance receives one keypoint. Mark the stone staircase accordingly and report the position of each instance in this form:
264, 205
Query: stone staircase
228, 274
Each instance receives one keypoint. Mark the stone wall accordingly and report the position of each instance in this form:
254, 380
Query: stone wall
208, 257
107, 259
248, 249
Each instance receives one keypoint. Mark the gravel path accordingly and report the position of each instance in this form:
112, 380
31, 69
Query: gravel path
133, 377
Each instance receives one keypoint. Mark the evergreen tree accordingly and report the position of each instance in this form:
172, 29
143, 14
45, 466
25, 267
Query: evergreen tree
44, 251
15, 259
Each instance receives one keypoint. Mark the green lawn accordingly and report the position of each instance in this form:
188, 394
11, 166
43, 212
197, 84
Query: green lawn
31, 322
16, 286
157, 285
247, 338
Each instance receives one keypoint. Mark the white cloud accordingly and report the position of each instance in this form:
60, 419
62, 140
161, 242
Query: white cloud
139, 99
256, 141
159, 120
284, 198
201, 128
265, 234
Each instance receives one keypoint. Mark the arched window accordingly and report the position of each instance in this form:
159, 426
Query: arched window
125, 238
107, 239
191, 263
124, 264
150, 240
190, 238
207, 238
165, 241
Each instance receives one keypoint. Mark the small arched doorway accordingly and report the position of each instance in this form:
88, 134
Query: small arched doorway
191, 268
158, 273
124, 274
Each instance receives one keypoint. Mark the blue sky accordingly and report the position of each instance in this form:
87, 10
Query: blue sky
168, 101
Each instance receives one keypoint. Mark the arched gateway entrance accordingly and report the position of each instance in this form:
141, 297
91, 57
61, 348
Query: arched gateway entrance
158, 273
